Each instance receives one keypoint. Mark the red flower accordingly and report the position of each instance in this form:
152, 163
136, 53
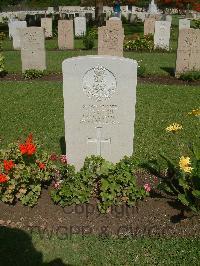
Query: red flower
53, 157
3, 178
41, 165
28, 147
31, 149
8, 165
23, 149
147, 187
63, 159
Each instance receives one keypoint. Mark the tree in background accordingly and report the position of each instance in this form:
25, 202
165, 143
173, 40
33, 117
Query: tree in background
181, 5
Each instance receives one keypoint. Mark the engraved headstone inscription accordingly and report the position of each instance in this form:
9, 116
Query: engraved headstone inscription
110, 40
46, 24
14, 32
188, 52
99, 107
162, 35
149, 26
184, 24
65, 34
13, 25
33, 53
80, 26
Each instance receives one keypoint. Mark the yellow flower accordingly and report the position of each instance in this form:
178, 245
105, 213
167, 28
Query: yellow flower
184, 164
174, 128
195, 112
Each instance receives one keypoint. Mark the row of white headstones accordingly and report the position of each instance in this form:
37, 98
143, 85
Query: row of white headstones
110, 41
46, 23
160, 30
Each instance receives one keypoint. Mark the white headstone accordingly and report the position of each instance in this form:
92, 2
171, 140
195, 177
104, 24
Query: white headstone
46, 24
16, 39
141, 15
184, 24
50, 9
188, 52
162, 35
115, 18
13, 25
99, 107
80, 26
33, 54
169, 18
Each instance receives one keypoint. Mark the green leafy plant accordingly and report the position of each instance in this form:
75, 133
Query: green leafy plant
2, 66
89, 39
124, 19
142, 43
33, 74
24, 170
142, 72
2, 36
118, 185
190, 76
182, 178
197, 24
109, 183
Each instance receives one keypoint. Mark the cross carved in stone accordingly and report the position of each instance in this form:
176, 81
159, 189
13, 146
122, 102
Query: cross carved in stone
99, 140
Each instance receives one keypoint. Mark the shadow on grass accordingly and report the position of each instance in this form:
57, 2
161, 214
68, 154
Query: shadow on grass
17, 250
63, 145
169, 70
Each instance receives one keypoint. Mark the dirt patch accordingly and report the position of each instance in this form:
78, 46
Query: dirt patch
164, 80
19, 77
154, 216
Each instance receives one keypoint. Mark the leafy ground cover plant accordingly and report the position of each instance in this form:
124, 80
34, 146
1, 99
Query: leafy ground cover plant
141, 43
182, 178
109, 183
141, 71
33, 74
197, 24
24, 170
2, 37
2, 66
190, 76
89, 39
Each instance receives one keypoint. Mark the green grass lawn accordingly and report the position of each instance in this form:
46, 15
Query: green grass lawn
155, 63
22, 249
38, 107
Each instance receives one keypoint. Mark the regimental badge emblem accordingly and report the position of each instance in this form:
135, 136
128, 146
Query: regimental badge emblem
99, 83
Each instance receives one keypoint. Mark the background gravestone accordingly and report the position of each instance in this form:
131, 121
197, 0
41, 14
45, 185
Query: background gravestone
184, 24
162, 35
114, 22
14, 25
80, 26
99, 107
110, 40
149, 26
46, 24
65, 34
188, 52
169, 18
33, 53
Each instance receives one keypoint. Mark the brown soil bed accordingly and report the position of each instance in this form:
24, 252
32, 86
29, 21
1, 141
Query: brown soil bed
164, 80
154, 216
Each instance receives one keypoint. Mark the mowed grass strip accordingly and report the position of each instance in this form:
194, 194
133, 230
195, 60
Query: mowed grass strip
21, 248
37, 107
155, 63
